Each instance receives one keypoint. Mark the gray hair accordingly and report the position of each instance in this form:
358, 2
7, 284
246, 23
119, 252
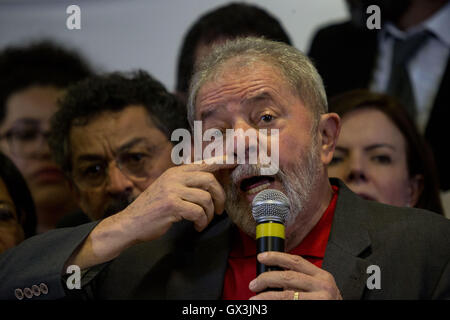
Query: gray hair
293, 64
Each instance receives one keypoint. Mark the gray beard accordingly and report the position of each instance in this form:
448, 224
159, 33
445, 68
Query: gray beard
298, 183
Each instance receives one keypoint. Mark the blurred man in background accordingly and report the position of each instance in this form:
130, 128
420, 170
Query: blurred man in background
111, 136
214, 27
407, 58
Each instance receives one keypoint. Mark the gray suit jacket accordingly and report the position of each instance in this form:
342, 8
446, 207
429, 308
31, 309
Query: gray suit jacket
410, 246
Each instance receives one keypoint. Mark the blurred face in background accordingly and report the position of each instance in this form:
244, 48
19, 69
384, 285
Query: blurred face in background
11, 231
371, 158
24, 133
115, 157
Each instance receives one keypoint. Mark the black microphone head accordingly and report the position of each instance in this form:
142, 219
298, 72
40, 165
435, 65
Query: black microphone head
270, 205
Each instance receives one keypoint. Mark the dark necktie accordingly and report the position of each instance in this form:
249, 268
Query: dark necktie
400, 84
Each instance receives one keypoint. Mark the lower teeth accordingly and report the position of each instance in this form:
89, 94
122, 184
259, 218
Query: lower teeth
258, 188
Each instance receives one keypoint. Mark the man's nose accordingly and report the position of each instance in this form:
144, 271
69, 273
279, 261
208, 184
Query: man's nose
117, 182
245, 142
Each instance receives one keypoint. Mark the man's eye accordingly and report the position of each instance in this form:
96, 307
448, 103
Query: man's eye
267, 118
217, 133
92, 170
133, 157
135, 160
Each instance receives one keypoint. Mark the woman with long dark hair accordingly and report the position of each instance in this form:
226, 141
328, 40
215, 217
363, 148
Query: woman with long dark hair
17, 212
380, 154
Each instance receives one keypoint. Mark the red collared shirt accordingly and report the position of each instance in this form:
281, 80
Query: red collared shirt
241, 267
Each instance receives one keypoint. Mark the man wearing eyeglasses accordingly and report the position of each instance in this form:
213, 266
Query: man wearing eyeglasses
111, 136
32, 79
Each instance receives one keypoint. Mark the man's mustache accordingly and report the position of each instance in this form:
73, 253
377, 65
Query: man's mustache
244, 170
249, 170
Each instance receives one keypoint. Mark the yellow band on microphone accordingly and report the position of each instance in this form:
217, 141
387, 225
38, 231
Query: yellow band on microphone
270, 229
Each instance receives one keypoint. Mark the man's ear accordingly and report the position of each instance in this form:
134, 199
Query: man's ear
415, 189
329, 128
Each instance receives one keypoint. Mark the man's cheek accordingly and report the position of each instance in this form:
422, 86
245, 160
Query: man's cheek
290, 149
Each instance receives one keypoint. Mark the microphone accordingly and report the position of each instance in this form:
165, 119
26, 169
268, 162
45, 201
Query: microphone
270, 208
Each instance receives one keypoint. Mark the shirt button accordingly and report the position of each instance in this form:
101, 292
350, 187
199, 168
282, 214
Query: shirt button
19, 294
28, 293
44, 288
36, 291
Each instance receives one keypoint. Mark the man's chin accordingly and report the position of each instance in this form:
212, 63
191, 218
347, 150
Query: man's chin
248, 226
239, 204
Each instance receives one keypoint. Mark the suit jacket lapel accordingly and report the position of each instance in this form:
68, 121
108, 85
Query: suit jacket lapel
348, 242
200, 268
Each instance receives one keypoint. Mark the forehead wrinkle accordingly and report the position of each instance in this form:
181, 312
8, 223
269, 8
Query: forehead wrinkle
246, 94
100, 149
260, 95
222, 92
126, 145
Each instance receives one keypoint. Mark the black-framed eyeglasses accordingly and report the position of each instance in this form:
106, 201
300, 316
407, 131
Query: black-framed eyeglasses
135, 163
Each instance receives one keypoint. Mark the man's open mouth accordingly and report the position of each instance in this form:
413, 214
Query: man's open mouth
255, 184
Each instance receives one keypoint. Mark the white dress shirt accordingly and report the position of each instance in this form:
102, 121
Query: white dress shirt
426, 68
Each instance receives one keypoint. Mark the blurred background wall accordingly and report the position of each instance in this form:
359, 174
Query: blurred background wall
124, 35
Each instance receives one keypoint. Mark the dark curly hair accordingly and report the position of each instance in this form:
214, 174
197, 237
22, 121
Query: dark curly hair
229, 21
20, 195
41, 63
112, 92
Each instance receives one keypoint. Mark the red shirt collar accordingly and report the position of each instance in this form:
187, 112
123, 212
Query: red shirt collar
241, 267
313, 245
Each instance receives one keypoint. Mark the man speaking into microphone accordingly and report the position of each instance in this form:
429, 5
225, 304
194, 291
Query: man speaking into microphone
174, 242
